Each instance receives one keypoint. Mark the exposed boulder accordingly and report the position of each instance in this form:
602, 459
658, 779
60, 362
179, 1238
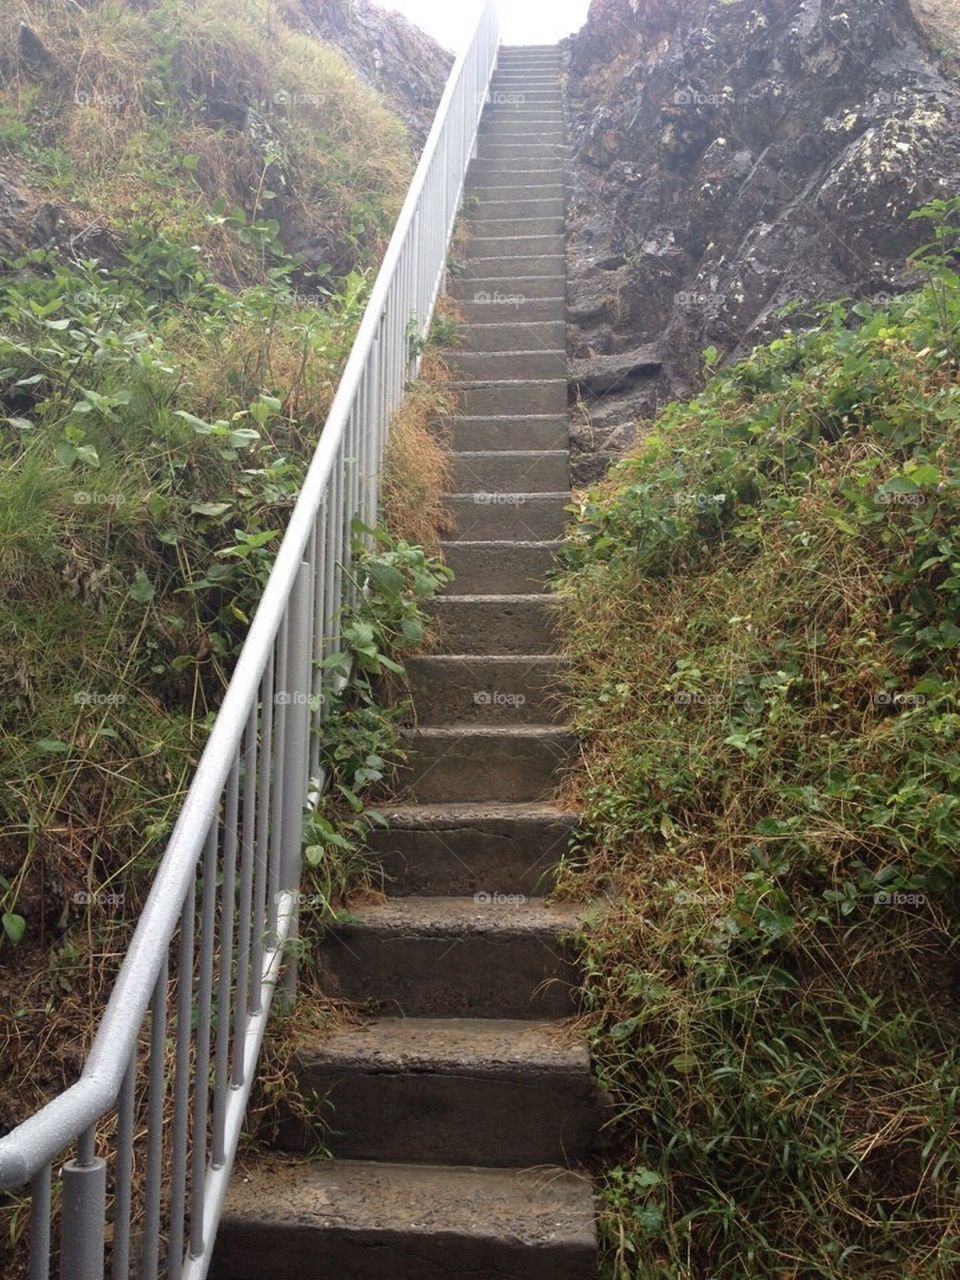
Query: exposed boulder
734, 156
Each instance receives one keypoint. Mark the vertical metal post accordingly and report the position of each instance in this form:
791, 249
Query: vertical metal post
82, 1212
296, 752
40, 1225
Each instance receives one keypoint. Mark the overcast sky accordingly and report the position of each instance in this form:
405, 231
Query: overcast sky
522, 21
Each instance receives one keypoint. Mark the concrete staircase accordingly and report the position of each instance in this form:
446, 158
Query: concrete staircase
463, 1111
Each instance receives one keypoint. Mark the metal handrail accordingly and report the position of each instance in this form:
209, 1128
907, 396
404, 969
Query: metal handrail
226, 891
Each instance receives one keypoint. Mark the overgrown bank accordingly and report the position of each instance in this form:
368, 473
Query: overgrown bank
197, 199
762, 614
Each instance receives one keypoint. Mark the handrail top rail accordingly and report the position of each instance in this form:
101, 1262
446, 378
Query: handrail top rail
36, 1141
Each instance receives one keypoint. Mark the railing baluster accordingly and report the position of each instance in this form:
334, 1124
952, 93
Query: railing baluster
181, 1094
156, 1065
261, 918
201, 1078
225, 964
246, 920
40, 1225
120, 1261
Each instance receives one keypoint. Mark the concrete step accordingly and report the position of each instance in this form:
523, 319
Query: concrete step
532, 151
506, 431
526, 265
466, 849
487, 689
358, 1220
513, 296
515, 95
484, 762
520, 335
496, 228
494, 955
495, 623
520, 209
489, 1092
517, 173
491, 568
537, 396
517, 246
507, 517
532, 471
494, 305
534, 364
551, 194
522, 131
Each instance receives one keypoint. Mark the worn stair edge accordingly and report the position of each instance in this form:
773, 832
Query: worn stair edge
482, 1091
359, 1220
485, 762
458, 849
497, 954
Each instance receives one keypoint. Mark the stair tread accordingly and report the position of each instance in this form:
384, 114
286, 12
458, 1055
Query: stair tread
457, 916
536, 1207
418, 815
490, 730
488, 1046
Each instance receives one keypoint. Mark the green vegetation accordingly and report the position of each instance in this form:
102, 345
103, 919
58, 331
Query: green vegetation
762, 607
221, 190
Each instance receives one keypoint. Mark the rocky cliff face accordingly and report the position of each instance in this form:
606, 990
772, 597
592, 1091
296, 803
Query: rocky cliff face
731, 157
405, 64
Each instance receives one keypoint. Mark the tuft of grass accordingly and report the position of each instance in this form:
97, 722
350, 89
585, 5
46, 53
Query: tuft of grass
762, 612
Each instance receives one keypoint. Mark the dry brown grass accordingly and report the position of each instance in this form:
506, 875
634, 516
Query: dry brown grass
417, 471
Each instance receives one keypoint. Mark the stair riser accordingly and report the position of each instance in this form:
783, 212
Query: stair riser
543, 336
509, 432
523, 131
532, 365
511, 299
495, 568
519, 976
525, 265
500, 768
519, 210
251, 1250
513, 399
527, 472
425, 1118
467, 857
516, 175
532, 152
524, 245
530, 310
496, 625
510, 228
494, 691
498, 517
